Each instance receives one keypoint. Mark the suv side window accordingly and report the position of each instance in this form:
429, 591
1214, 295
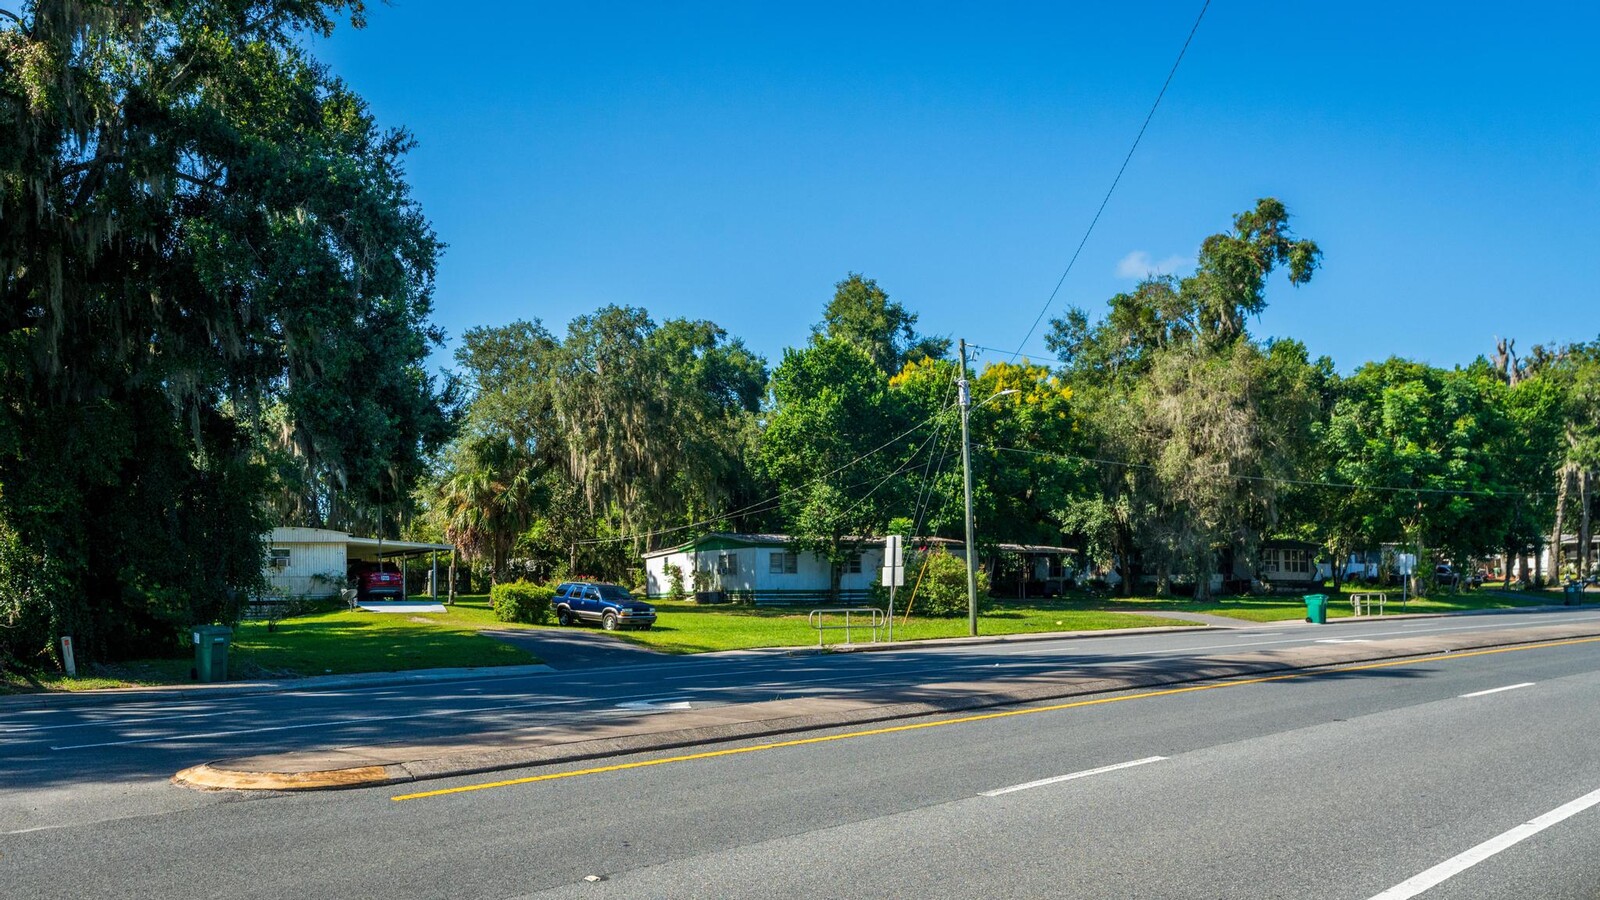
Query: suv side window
563, 589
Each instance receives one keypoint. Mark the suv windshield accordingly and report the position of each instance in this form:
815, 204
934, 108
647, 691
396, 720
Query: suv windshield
613, 593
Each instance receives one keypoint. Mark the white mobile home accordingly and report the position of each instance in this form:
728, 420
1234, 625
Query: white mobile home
768, 569
759, 568
315, 562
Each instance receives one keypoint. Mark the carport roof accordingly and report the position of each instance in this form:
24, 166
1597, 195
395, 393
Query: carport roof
330, 536
396, 546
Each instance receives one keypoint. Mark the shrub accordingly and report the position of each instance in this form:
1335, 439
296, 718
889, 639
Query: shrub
674, 575
520, 601
943, 591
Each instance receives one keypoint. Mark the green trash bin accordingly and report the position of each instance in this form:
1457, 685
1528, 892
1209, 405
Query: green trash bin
211, 652
1317, 609
1574, 594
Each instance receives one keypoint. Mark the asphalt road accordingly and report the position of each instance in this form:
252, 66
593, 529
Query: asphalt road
1341, 785
80, 764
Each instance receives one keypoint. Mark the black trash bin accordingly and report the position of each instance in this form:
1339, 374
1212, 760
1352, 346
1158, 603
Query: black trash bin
211, 644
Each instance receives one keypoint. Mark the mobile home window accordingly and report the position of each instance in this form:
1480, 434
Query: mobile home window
852, 564
727, 564
279, 558
780, 563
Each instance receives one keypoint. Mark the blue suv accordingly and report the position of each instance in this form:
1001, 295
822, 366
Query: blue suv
609, 604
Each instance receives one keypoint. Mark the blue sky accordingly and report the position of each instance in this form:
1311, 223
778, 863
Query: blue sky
732, 162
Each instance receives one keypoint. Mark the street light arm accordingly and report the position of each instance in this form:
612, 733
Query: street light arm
996, 396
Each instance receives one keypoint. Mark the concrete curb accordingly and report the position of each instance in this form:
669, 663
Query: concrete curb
422, 676
396, 764
248, 688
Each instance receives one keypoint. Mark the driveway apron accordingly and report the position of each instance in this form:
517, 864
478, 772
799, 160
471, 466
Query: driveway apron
576, 648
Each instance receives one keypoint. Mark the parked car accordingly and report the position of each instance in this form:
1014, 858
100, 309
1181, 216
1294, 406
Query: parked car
609, 604
1444, 576
377, 581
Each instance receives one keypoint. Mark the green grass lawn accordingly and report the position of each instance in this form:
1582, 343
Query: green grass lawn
338, 642
350, 641
1286, 607
683, 627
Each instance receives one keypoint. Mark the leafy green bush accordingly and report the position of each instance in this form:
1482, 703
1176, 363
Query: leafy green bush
520, 601
943, 591
674, 575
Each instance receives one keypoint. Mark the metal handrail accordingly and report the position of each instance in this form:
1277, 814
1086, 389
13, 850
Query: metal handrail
1365, 598
875, 621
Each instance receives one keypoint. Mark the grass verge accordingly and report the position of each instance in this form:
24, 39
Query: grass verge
351, 641
690, 628
1287, 607
338, 642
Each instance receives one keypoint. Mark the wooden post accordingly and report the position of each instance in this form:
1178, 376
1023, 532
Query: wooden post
450, 593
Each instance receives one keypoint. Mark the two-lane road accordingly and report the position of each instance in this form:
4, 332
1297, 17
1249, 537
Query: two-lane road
1415, 778
83, 763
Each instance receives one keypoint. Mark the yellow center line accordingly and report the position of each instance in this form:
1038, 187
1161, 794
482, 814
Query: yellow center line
980, 717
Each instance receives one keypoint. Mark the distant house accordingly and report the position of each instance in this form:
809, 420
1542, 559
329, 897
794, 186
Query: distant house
316, 562
1546, 560
1290, 563
759, 568
769, 569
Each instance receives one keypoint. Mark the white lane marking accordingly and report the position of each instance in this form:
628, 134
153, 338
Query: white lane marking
1344, 641
110, 723
1060, 778
37, 828
656, 703
1416, 884
1509, 687
334, 723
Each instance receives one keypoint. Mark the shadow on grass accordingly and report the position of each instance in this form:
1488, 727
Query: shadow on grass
977, 679
347, 642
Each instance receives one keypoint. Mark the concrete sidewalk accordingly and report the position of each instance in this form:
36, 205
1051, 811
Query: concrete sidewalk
615, 658
398, 763
197, 691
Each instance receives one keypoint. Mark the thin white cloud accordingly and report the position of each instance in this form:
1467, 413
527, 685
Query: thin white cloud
1138, 264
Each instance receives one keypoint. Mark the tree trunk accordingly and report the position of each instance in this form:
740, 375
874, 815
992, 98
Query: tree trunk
1204, 564
1563, 477
1585, 499
1336, 568
1124, 563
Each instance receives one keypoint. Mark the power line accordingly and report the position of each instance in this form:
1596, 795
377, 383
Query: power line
763, 505
1114, 181
1043, 354
933, 468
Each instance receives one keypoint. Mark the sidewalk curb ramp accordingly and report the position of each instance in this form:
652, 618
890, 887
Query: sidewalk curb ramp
497, 751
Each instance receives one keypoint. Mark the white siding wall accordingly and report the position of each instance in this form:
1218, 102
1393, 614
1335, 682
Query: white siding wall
308, 561
812, 573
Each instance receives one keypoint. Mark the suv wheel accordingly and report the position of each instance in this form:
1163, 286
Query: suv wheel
609, 622
563, 617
